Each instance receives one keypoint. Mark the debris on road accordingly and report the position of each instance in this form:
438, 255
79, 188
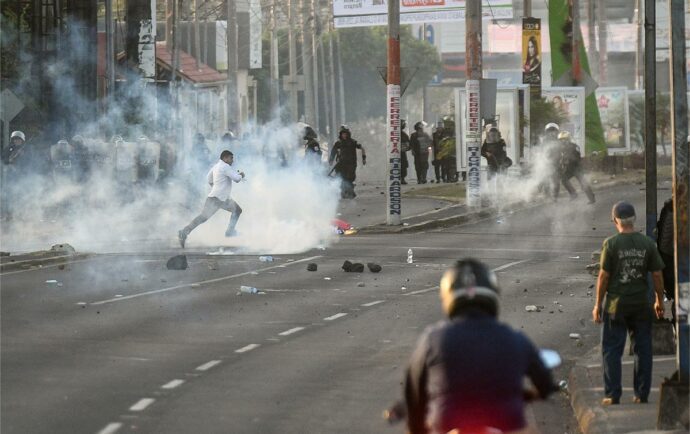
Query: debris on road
326, 278
593, 268
221, 251
532, 308
596, 255
248, 290
350, 267
574, 336
341, 227
374, 268
312, 267
573, 257
63, 248
360, 284
52, 281
410, 256
266, 258
178, 262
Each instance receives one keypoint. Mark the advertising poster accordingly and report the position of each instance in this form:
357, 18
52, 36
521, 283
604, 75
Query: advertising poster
531, 54
570, 100
613, 109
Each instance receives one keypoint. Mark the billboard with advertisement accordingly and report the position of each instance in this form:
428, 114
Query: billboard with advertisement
362, 13
531, 54
571, 100
613, 109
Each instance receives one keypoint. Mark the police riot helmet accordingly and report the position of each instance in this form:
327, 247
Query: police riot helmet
344, 129
228, 136
19, 135
551, 126
469, 284
63, 142
419, 125
448, 123
78, 140
564, 135
309, 133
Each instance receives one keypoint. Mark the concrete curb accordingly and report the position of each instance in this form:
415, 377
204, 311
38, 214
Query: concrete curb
466, 217
591, 419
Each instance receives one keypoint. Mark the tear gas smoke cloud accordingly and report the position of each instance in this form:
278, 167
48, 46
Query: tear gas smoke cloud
117, 205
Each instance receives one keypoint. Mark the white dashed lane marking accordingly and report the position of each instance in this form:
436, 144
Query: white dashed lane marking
291, 331
373, 303
334, 317
510, 264
142, 404
111, 428
247, 348
173, 384
208, 365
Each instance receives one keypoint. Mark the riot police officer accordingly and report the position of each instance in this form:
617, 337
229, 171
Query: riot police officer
312, 149
344, 153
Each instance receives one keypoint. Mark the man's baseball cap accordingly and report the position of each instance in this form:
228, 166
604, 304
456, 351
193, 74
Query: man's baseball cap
623, 210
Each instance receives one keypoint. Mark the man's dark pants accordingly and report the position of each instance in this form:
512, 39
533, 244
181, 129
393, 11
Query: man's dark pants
211, 206
639, 326
348, 174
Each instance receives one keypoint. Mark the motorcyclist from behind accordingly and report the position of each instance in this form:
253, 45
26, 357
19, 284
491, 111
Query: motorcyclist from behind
467, 371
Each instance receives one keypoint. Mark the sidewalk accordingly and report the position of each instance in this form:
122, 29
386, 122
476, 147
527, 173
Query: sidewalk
586, 392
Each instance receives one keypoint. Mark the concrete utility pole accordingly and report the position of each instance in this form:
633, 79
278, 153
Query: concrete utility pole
197, 35
425, 102
527, 8
591, 31
638, 45
232, 106
331, 73
275, 76
473, 68
109, 52
577, 67
292, 61
603, 41
341, 78
681, 181
324, 90
650, 114
306, 63
315, 63
393, 163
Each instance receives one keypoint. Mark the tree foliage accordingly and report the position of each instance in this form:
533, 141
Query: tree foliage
364, 50
541, 113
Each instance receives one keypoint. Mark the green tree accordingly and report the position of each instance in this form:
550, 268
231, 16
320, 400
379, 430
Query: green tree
364, 50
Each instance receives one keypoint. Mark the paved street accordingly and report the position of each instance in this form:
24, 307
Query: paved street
121, 344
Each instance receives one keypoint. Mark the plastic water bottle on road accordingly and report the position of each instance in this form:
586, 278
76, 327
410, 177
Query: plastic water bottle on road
248, 289
409, 256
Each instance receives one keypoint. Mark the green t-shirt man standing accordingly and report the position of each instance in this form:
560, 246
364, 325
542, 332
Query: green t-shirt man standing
626, 258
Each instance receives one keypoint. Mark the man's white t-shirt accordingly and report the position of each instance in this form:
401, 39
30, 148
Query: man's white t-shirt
220, 177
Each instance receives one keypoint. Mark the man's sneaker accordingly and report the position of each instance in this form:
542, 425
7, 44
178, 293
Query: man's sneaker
231, 233
181, 238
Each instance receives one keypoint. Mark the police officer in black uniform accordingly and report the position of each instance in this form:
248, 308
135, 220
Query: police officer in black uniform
312, 149
494, 150
419, 144
344, 153
404, 147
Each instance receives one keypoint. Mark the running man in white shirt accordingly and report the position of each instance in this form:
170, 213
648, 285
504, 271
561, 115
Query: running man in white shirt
220, 177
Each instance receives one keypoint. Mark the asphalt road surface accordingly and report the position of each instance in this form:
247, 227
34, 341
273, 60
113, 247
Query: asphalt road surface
121, 344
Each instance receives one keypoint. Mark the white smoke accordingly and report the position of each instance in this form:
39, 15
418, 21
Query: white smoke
288, 204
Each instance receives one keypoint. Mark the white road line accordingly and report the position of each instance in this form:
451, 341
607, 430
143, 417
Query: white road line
631, 362
334, 317
142, 404
373, 303
247, 348
111, 428
291, 331
208, 365
202, 282
172, 384
422, 291
510, 264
